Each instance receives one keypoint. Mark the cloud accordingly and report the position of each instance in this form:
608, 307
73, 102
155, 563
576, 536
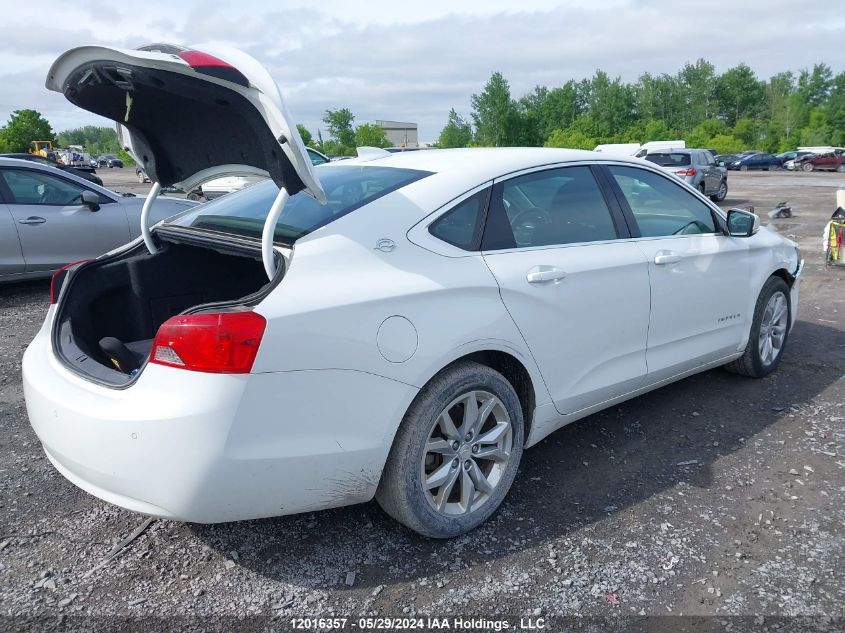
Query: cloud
415, 65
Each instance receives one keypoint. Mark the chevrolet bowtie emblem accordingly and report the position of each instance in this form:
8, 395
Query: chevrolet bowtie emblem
385, 245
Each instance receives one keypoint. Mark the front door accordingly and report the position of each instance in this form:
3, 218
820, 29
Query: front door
699, 276
578, 294
54, 227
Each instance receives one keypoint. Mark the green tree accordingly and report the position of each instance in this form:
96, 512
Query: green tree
702, 134
698, 83
657, 131
610, 104
748, 132
95, 139
307, 139
494, 113
571, 137
23, 127
456, 133
339, 124
370, 135
814, 85
725, 144
739, 94
818, 130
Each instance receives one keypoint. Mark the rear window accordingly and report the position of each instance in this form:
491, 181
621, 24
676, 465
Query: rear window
347, 189
669, 159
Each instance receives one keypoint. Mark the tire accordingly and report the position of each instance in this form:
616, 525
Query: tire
141, 178
722, 193
808, 167
752, 362
743, 168
840, 168
195, 196
402, 493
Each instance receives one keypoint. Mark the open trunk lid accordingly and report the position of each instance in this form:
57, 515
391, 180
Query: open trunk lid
189, 115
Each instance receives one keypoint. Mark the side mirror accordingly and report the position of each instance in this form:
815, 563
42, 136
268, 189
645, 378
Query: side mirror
742, 223
91, 200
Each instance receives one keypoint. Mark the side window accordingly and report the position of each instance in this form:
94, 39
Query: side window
34, 187
661, 207
461, 226
557, 206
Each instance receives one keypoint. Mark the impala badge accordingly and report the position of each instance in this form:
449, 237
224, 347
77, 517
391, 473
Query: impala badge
385, 245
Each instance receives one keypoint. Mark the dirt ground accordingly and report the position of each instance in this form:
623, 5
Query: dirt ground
716, 496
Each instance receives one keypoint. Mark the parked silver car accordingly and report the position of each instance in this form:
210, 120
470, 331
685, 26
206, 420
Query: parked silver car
697, 167
49, 218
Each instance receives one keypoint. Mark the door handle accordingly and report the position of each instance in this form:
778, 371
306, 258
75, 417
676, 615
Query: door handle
33, 219
540, 274
666, 257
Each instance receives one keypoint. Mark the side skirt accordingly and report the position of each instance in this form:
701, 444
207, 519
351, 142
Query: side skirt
547, 419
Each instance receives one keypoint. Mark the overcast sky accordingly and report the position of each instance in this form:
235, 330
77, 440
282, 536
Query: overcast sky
384, 60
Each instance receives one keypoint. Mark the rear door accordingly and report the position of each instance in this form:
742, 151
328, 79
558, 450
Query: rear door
712, 174
54, 227
578, 293
11, 257
699, 276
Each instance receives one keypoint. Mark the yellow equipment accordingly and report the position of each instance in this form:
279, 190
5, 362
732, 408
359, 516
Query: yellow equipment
41, 148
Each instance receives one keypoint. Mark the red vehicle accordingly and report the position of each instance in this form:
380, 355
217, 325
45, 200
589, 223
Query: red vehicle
832, 161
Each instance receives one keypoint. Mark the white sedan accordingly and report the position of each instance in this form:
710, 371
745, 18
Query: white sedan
405, 339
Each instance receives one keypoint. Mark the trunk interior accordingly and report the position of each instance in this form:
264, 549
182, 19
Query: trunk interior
127, 298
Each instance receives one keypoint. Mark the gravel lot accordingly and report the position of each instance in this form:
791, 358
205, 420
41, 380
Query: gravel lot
718, 495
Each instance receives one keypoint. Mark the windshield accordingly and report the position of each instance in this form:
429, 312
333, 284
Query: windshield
669, 159
347, 189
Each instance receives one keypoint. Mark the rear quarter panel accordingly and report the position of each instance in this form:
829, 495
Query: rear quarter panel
328, 310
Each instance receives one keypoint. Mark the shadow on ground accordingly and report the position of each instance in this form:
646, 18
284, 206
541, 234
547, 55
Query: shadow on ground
619, 457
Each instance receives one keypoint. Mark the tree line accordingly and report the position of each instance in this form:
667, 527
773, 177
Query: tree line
729, 112
25, 126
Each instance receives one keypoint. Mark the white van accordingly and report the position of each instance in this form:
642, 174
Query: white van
622, 149
654, 146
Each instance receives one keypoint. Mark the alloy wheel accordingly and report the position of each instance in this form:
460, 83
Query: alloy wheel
773, 326
467, 453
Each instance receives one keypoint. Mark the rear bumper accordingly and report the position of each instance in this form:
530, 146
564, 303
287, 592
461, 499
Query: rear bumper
210, 448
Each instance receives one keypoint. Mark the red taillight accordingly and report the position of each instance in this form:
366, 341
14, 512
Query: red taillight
198, 58
221, 343
213, 66
59, 278
686, 172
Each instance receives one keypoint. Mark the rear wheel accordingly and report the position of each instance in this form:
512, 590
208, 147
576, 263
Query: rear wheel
769, 331
456, 453
722, 193
141, 178
840, 168
743, 168
808, 167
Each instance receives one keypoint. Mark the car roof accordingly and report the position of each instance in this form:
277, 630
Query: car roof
38, 166
486, 162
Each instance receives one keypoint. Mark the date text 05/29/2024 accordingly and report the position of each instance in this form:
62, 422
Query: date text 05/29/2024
417, 623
